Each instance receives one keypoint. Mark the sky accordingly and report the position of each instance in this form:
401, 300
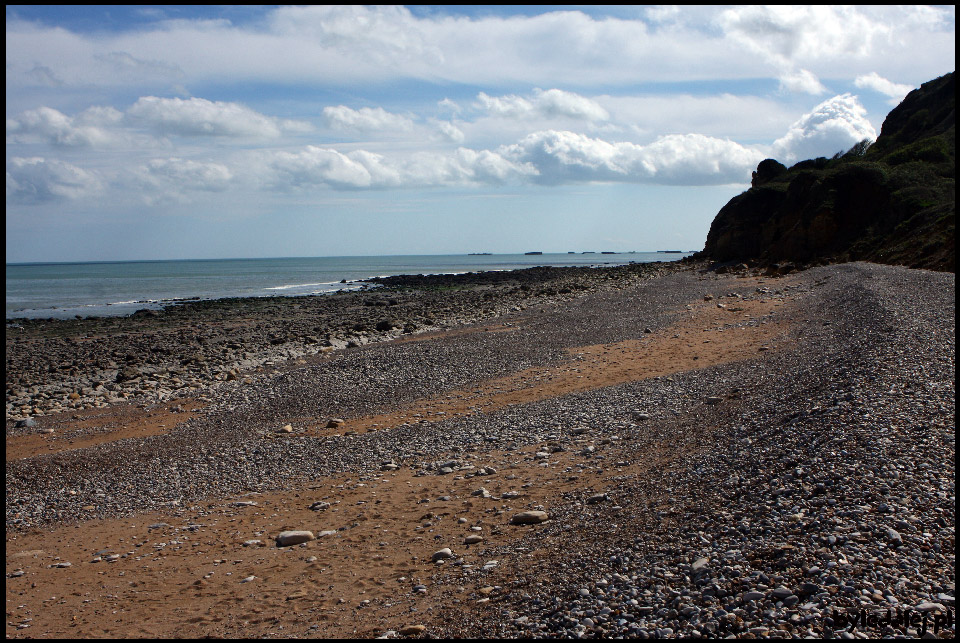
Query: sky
157, 132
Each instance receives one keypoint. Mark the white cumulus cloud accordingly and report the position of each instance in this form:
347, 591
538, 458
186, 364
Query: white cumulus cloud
365, 119
689, 159
834, 125
662, 13
802, 81
175, 180
876, 82
45, 124
184, 174
451, 105
201, 117
513, 106
556, 102
487, 166
695, 159
451, 132
791, 33
38, 180
543, 104
316, 166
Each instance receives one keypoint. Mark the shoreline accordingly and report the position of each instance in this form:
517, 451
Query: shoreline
288, 282
97, 367
715, 454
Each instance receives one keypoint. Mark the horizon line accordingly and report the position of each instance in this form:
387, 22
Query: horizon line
449, 254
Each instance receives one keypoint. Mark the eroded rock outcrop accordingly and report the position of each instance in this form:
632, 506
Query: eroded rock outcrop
890, 202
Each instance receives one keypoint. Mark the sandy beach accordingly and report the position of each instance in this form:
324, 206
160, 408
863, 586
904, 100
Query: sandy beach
703, 454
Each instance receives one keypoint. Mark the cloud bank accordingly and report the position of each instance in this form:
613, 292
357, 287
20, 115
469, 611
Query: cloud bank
485, 120
542, 157
357, 45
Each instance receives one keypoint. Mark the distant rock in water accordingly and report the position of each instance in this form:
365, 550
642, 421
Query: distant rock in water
890, 202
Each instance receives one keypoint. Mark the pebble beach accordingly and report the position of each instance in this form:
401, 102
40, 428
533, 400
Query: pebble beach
645, 451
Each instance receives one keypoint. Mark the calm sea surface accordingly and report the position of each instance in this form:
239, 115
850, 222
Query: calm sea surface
63, 290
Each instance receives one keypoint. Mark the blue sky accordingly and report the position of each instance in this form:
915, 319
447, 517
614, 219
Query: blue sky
194, 132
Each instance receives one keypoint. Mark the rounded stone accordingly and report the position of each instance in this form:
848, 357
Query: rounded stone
529, 518
294, 537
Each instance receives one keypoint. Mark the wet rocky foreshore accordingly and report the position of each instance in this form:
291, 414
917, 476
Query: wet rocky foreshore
61, 365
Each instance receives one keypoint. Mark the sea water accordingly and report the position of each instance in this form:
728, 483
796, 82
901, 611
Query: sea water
65, 290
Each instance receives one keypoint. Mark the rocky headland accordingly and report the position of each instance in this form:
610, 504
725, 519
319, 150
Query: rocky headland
890, 202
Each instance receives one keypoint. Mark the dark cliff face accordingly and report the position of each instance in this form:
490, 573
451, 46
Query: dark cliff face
892, 202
